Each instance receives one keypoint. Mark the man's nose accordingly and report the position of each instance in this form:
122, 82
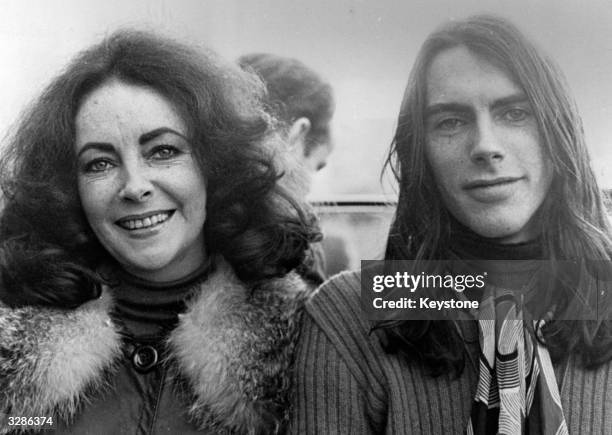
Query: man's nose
487, 146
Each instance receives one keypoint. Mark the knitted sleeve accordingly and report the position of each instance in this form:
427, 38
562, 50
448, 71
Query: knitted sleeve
337, 382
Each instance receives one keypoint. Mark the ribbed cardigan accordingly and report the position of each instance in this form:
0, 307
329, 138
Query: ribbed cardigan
345, 383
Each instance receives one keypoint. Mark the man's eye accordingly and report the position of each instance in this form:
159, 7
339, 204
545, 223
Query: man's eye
516, 115
164, 152
98, 165
450, 124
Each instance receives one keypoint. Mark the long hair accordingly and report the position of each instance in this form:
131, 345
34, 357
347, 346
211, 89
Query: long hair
294, 91
575, 224
48, 252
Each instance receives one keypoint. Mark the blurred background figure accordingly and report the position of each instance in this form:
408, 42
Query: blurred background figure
303, 103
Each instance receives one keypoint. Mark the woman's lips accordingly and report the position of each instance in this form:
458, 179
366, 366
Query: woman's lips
144, 221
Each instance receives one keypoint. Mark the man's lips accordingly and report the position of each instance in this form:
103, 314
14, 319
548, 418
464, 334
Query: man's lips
484, 183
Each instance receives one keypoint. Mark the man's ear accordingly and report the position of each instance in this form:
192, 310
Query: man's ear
296, 138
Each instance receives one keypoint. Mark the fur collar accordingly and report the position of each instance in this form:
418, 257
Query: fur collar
233, 346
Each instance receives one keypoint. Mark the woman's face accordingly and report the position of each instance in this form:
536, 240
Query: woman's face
141, 189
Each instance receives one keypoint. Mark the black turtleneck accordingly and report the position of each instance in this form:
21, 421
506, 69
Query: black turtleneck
509, 266
466, 244
150, 309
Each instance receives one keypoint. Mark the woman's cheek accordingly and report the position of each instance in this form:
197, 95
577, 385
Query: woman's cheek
96, 196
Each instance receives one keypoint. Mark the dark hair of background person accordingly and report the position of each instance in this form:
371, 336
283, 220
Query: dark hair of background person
294, 91
574, 227
48, 252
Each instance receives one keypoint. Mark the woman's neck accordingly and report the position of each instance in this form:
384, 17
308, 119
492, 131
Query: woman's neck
151, 308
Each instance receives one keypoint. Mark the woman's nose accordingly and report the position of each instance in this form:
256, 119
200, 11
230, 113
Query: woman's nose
136, 185
487, 146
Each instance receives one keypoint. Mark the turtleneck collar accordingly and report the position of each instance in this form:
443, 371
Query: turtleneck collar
466, 244
508, 266
150, 309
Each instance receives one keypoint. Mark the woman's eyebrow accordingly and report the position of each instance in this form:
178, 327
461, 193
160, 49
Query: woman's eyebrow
100, 146
146, 137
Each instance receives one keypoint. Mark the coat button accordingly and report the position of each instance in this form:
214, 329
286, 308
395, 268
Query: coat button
144, 358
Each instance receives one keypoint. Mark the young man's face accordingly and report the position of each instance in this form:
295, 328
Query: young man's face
483, 144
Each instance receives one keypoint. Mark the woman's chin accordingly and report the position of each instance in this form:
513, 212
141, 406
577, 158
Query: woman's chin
151, 268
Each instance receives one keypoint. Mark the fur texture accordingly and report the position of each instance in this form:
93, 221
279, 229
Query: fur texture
49, 358
233, 347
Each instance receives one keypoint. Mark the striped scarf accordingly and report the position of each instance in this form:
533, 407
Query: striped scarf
517, 390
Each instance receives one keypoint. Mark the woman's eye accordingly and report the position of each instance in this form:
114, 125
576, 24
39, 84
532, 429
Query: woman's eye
164, 152
98, 165
516, 115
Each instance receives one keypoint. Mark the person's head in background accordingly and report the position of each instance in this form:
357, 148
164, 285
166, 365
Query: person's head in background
304, 104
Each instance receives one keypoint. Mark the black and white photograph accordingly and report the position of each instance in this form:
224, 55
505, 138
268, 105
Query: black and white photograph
305, 217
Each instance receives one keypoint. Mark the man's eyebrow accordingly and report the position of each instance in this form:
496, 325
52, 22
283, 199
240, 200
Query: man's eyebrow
434, 109
146, 137
518, 98
458, 107
100, 146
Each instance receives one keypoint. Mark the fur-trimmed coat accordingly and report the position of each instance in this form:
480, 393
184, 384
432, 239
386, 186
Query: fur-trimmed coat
226, 368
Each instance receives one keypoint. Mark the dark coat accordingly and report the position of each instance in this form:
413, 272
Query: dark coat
225, 370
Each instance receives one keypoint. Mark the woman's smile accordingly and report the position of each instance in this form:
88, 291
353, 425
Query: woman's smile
146, 221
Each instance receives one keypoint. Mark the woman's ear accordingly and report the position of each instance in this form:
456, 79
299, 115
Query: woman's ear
296, 138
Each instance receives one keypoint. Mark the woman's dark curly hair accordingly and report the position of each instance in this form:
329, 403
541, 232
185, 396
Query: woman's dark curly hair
48, 252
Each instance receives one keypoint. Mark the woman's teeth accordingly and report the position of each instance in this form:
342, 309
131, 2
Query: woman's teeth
136, 224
